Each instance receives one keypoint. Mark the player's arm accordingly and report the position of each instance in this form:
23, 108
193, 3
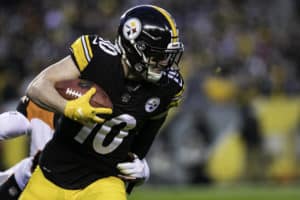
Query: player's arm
137, 167
145, 138
140, 148
13, 124
42, 91
143, 141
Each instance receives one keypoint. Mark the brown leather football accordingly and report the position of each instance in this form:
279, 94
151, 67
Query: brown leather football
74, 88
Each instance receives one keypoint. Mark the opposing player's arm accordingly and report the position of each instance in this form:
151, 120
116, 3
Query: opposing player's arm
13, 124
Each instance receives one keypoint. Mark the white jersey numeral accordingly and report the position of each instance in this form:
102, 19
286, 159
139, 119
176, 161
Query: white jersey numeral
117, 127
106, 46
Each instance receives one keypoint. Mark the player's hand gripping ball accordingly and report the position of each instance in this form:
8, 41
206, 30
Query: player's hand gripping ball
86, 100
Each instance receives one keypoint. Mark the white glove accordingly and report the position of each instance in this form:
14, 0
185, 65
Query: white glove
137, 170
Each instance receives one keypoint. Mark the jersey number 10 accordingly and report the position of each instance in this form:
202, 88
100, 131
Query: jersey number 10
109, 135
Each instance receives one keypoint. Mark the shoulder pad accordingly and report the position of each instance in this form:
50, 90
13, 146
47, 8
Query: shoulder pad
87, 47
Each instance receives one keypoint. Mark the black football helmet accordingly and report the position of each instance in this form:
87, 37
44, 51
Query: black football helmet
149, 41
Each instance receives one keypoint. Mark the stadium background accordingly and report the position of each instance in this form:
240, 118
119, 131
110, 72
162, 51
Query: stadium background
237, 133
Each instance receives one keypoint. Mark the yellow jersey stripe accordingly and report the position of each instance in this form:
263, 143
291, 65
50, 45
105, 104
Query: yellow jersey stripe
88, 46
79, 54
177, 99
159, 116
179, 93
175, 103
171, 22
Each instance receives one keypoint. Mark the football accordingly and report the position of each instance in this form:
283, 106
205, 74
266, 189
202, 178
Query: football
75, 88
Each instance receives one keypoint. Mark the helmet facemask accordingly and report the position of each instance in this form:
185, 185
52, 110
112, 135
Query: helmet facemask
158, 60
150, 62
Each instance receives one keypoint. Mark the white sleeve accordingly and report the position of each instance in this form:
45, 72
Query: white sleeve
13, 124
41, 133
22, 172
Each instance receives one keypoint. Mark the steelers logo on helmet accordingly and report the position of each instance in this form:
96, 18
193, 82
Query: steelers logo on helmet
152, 104
132, 28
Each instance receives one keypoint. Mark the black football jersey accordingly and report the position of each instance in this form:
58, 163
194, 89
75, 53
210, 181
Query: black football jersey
78, 155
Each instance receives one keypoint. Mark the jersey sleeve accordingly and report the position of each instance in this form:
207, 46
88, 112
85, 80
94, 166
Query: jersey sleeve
146, 136
92, 51
13, 124
176, 99
172, 93
176, 87
82, 51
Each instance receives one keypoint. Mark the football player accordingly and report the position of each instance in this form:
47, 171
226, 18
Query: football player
141, 76
39, 124
34, 121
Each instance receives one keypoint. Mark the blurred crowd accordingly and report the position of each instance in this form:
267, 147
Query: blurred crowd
240, 118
